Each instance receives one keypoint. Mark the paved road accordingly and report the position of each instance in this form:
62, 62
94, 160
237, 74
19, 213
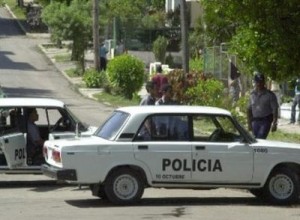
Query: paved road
50, 202
26, 72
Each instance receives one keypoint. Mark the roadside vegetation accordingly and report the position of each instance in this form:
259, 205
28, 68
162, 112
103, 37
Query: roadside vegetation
259, 42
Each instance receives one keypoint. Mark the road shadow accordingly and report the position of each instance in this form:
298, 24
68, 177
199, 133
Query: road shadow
176, 201
25, 92
7, 63
11, 27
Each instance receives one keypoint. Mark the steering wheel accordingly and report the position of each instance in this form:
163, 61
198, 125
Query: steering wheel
216, 134
56, 125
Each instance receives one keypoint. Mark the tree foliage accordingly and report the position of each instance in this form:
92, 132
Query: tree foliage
160, 48
70, 22
264, 33
126, 74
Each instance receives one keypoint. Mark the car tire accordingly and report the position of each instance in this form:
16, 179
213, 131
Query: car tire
282, 187
123, 187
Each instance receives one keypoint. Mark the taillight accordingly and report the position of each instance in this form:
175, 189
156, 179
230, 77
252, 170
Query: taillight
56, 156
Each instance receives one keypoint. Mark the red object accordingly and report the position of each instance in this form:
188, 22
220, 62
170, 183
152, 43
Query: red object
160, 80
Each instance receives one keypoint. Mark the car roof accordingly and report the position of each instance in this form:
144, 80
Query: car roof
30, 102
174, 109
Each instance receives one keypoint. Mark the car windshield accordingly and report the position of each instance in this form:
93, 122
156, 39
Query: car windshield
112, 125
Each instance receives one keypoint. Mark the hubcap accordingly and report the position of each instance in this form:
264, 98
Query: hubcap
281, 186
125, 187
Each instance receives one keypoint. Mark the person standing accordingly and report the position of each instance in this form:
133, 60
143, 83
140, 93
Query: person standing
234, 83
296, 101
102, 54
166, 98
149, 99
262, 113
160, 80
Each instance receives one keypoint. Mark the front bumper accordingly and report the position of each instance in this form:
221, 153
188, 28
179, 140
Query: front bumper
58, 173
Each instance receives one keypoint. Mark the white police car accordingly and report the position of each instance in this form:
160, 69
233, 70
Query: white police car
55, 122
175, 147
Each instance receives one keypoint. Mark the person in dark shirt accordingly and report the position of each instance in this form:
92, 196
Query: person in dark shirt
166, 98
149, 99
262, 109
160, 80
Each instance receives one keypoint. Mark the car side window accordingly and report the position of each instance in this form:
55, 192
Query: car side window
11, 120
203, 127
214, 129
48, 116
164, 128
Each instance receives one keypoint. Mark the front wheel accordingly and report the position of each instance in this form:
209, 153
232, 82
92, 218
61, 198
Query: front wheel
283, 186
124, 186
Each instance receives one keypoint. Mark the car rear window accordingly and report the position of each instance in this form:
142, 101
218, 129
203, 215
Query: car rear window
112, 125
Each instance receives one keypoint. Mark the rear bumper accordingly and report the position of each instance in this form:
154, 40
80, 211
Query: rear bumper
58, 173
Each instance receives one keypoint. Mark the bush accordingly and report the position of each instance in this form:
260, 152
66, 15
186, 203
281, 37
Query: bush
181, 82
207, 92
160, 49
196, 64
94, 79
126, 74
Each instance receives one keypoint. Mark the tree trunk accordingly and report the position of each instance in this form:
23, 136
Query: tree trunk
184, 37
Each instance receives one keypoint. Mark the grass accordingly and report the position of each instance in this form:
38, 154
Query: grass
62, 58
116, 100
279, 135
73, 72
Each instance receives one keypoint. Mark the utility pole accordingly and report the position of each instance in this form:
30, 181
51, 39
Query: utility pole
96, 34
184, 37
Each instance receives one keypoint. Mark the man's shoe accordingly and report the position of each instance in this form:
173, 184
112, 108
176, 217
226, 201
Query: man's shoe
291, 123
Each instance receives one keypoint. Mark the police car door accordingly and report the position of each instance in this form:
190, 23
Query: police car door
14, 148
12, 140
218, 152
166, 154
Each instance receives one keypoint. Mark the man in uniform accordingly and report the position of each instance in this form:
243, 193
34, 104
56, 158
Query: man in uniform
262, 109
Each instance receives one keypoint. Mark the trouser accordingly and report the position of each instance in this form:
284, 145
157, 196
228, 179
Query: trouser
296, 102
261, 126
102, 63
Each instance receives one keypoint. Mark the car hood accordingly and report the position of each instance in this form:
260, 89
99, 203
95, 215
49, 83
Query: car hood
276, 144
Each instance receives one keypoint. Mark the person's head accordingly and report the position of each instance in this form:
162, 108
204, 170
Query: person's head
151, 88
167, 91
159, 69
259, 80
32, 114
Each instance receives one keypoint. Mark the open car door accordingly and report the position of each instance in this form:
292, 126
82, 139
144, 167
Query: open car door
14, 148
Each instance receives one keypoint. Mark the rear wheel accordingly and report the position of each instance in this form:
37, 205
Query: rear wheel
124, 186
283, 186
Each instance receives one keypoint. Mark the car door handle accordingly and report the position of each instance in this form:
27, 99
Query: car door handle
143, 147
200, 147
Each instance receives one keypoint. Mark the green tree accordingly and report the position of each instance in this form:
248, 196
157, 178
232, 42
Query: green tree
264, 33
160, 48
70, 22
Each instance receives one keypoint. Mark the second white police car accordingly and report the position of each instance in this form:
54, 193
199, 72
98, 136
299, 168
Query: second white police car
175, 147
